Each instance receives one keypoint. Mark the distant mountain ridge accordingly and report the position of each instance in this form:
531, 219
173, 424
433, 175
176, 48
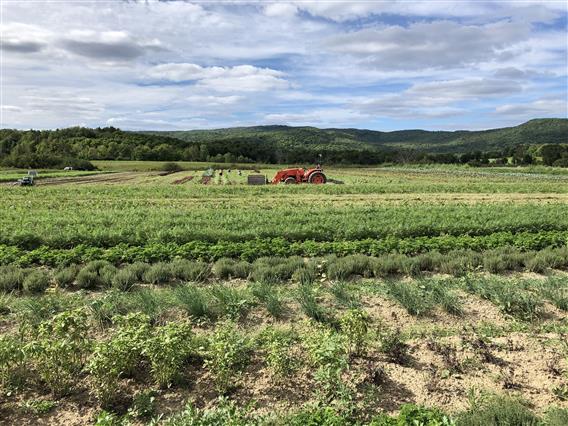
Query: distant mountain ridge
533, 132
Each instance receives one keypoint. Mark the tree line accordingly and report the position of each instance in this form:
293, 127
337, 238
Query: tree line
76, 146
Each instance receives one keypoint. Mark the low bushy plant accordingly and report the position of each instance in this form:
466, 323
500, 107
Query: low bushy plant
195, 301
392, 344
226, 355
13, 369
150, 302
542, 260
138, 269
494, 263
11, 278
343, 268
226, 412
440, 293
275, 269
388, 265
107, 274
456, 266
502, 260
327, 350
511, 298
171, 167
277, 345
497, 411
230, 301
316, 415
555, 289
143, 405
412, 297
270, 297
88, 279
343, 294
354, 325
223, 268
167, 349
159, 273
118, 356
556, 417
226, 268
97, 265
38, 406
65, 277
411, 414
187, 270
307, 299
59, 349
36, 281
305, 275
241, 269
124, 279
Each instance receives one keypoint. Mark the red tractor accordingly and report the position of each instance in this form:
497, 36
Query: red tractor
290, 176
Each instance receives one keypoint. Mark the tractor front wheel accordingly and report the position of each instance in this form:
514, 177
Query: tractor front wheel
290, 180
317, 178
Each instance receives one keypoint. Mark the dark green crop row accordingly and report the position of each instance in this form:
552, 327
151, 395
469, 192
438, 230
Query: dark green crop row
101, 274
97, 218
253, 249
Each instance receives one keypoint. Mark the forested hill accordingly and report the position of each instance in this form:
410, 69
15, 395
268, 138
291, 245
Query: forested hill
533, 132
74, 146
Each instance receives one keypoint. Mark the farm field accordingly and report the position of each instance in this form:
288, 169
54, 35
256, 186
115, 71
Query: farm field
436, 294
12, 175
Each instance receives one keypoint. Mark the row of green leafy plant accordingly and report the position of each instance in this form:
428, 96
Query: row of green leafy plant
522, 299
61, 356
56, 354
100, 274
492, 410
254, 249
108, 216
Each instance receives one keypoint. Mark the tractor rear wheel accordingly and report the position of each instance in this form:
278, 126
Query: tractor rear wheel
317, 178
290, 180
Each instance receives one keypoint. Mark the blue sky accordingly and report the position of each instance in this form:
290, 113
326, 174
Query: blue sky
381, 65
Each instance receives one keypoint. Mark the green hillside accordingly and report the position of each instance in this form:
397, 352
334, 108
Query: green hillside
533, 132
536, 140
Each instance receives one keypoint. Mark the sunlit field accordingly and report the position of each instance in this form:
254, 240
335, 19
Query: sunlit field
137, 294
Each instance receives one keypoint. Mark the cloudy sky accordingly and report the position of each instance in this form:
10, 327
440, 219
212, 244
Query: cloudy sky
385, 65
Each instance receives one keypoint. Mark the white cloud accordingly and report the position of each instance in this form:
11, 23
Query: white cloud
11, 108
108, 45
440, 44
240, 78
320, 117
23, 39
472, 88
285, 10
529, 11
435, 99
143, 122
538, 108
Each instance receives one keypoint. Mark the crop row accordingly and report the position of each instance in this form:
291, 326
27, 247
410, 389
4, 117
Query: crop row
100, 274
101, 222
254, 249
58, 351
66, 353
523, 300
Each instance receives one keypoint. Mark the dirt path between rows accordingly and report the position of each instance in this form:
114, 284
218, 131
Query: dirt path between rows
94, 179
